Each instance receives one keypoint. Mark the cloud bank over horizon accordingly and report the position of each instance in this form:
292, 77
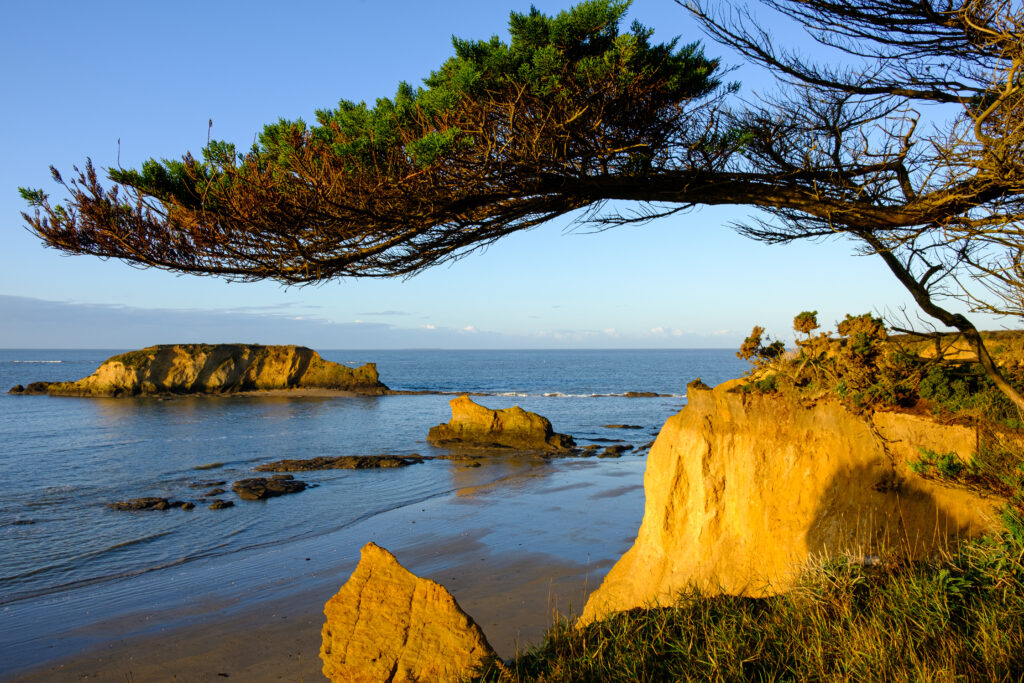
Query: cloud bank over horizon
41, 323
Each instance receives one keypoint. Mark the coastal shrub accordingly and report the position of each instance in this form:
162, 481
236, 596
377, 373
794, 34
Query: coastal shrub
944, 465
866, 368
964, 389
858, 364
955, 617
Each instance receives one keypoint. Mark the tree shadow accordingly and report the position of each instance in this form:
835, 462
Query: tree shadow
868, 511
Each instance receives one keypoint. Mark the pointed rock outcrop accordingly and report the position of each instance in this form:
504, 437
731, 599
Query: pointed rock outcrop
387, 624
473, 425
743, 489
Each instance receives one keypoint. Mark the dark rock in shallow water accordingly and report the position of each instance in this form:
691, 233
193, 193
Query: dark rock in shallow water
32, 388
259, 488
205, 483
214, 492
644, 394
221, 504
614, 451
149, 503
622, 426
341, 462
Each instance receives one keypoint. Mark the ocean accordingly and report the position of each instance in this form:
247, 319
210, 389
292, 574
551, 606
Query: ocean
70, 567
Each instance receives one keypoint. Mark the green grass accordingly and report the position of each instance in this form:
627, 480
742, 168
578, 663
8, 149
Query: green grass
959, 617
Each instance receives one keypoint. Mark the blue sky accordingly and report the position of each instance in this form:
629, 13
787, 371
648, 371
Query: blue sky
77, 77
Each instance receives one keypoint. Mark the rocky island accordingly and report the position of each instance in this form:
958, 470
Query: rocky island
215, 369
475, 426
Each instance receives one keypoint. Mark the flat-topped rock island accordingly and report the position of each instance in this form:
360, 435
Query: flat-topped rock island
215, 369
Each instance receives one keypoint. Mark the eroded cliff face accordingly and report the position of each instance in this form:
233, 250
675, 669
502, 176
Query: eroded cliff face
742, 489
218, 368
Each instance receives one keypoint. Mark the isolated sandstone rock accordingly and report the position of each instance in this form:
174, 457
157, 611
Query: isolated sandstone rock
387, 624
214, 369
476, 426
742, 489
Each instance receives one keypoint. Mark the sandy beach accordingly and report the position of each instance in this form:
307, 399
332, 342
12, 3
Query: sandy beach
514, 601
495, 547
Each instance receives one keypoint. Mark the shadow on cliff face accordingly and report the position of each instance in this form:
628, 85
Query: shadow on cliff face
867, 512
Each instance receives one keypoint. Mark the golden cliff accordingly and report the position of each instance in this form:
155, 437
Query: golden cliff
216, 369
743, 489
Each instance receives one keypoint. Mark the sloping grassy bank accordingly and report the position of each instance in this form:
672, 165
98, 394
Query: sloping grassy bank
959, 617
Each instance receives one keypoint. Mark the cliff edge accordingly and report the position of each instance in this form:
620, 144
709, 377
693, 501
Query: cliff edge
215, 369
742, 489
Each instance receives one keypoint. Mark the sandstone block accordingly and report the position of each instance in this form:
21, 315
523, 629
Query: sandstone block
476, 426
387, 624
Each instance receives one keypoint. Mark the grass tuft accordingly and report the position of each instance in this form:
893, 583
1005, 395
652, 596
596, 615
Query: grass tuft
957, 617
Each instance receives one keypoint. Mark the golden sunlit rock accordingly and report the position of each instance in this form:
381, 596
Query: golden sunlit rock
217, 368
387, 624
474, 425
742, 489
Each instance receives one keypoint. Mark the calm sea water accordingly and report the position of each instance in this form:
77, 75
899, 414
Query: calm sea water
68, 562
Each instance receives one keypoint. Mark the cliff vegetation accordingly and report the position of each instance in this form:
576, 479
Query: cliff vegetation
955, 617
879, 428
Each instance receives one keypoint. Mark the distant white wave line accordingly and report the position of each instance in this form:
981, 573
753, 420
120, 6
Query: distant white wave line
37, 361
559, 394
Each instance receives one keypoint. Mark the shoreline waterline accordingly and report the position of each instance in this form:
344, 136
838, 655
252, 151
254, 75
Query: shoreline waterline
78, 577
476, 541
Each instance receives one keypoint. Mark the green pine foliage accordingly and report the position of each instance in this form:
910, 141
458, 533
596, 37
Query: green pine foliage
579, 55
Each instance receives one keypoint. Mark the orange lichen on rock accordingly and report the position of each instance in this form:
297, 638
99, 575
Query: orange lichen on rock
387, 624
474, 425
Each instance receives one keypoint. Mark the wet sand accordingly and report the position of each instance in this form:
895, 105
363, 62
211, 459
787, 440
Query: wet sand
514, 602
509, 551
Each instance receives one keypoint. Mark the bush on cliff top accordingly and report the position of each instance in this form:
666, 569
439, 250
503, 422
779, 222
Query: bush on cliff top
866, 368
954, 618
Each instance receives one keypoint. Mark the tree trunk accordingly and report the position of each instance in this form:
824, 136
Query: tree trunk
954, 320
